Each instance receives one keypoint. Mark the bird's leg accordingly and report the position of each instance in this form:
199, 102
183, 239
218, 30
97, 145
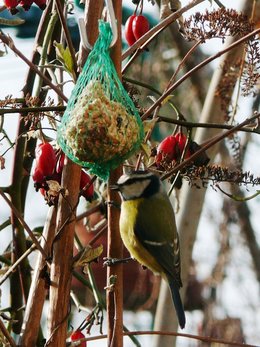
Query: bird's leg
114, 261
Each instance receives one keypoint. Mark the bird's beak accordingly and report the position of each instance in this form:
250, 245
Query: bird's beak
114, 187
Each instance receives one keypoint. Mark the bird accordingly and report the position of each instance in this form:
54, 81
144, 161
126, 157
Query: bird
148, 229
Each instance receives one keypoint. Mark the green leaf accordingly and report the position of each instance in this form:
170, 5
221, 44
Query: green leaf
167, 99
11, 22
149, 124
89, 254
147, 150
63, 54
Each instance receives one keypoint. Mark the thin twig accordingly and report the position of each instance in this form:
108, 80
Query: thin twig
162, 118
141, 84
187, 124
209, 144
6, 334
34, 109
191, 50
98, 234
190, 336
196, 68
9, 42
132, 58
6, 223
238, 198
18, 261
158, 28
44, 50
147, 137
67, 37
77, 303
24, 224
169, 333
140, 50
89, 212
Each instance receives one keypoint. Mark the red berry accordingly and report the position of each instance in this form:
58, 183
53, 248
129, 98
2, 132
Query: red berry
84, 180
129, 35
26, 4
181, 139
11, 5
166, 150
40, 3
76, 335
45, 159
37, 176
140, 26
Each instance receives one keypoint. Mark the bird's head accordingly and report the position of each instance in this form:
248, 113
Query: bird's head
138, 184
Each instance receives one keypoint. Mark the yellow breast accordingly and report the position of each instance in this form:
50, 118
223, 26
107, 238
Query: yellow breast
129, 212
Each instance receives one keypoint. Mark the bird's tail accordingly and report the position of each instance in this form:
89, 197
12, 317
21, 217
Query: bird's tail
177, 302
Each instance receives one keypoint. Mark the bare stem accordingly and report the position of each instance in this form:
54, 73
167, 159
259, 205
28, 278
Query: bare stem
208, 145
182, 63
187, 124
199, 66
6, 334
24, 224
9, 42
67, 36
144, 40
14, 266
170, 333
35, 109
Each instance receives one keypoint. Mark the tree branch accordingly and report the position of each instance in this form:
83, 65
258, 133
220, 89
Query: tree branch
25, 225
208, 145
9, 42
144, 40
196, 68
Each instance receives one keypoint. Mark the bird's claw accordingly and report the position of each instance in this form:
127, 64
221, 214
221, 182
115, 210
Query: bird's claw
113, 204
114, 261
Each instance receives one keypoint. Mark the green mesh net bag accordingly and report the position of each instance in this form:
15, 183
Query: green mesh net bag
101, 126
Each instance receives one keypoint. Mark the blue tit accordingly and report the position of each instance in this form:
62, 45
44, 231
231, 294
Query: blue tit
148, 229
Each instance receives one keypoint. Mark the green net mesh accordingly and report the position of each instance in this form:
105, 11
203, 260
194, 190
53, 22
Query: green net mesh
101, 126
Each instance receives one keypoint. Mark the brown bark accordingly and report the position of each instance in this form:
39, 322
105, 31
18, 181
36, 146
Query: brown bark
114, 294
61, 268
20, 280
38, 290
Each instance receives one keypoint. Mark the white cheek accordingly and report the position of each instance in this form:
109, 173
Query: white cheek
135, 190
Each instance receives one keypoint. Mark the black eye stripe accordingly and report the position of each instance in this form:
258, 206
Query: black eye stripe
133, 180
152, 187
